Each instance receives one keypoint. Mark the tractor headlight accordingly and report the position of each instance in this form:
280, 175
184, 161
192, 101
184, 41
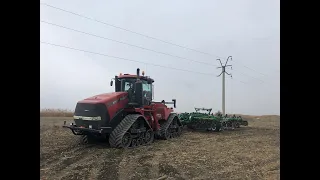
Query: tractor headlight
90, 126
85, 118
98, 118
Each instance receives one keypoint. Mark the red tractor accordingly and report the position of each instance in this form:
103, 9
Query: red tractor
127, 117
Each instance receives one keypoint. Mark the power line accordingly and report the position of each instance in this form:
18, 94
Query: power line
232, 78
126, 43
108, 24
251, 76
67, 47
133, 45
150, 37
251, 68
223, 70
157, 65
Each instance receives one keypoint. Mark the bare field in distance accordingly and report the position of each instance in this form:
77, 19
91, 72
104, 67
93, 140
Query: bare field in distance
251, 152
56, 113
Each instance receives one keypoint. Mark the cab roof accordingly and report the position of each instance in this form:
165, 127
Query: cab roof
135, 76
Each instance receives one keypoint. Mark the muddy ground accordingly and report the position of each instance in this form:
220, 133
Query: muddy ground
247, 153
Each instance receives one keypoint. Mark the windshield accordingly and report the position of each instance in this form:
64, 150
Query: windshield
130, 82
126, 84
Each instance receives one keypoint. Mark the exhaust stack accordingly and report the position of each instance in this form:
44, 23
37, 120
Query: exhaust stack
138, 73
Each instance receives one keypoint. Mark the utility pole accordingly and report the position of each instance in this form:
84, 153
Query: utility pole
223, 67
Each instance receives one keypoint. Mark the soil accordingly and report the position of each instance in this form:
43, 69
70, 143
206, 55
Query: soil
251, 152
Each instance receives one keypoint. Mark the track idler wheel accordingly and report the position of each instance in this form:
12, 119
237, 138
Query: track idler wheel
134, 143
126, 140
149, 137
167, 135
139, 141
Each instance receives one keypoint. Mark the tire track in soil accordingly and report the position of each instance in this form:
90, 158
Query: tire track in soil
83, 163
57, 151
167, 169
108, 165
80, 168
46, 159
63, 160
139, 164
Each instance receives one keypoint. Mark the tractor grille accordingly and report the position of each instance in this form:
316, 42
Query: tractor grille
85, 115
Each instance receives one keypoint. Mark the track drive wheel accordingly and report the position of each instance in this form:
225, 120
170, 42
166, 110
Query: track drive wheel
126, 140
121, 136
149, 137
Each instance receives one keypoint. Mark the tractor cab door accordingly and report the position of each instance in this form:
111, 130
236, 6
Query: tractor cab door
147, 92
128, 85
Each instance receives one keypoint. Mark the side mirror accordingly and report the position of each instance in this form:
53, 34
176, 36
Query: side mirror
111, 83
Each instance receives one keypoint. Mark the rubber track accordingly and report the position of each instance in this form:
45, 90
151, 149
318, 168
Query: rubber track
87, 139
115, 139
84, 139
167, 124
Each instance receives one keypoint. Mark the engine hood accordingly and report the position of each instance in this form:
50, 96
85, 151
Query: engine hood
105, 98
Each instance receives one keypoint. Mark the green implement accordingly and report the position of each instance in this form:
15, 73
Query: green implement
233, 122
201, 121
211, 122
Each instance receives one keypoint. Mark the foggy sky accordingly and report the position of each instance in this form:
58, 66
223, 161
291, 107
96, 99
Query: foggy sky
248, 30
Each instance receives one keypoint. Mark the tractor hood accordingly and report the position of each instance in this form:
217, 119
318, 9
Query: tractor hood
106, 98
98, 111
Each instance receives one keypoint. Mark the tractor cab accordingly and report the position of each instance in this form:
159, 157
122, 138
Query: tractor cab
139, 88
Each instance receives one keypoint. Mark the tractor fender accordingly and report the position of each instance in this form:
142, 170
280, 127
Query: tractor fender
145, 120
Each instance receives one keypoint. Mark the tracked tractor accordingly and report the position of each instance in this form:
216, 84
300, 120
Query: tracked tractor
127, 117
